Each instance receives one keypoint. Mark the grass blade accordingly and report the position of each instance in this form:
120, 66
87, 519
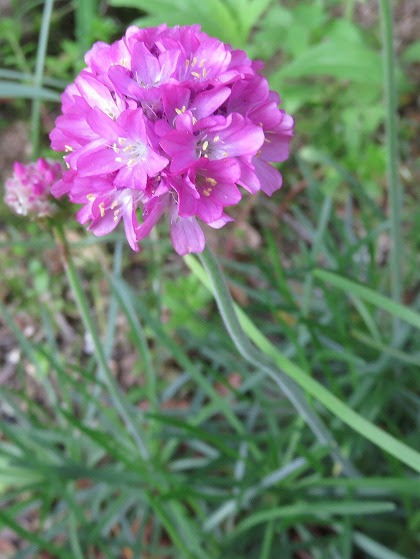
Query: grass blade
385, 303
11, 90
365, 428
316, 509
39, 72
374, 549
394, 190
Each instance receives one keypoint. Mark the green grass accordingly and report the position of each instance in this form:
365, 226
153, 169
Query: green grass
131, 424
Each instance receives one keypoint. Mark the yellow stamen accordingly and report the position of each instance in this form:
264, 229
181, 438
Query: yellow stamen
122, 141
202, 61
178, 111
211, 181
102, 209
187, 63
194, 62
114, 204
204, 72
216, 139
118, 159
207, 192
67, 149
91, 197
205, 145
195, 74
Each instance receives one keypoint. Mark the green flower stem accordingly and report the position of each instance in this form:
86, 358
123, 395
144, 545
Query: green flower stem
260, 361
394, 191
107, 376
365, 428
110, 330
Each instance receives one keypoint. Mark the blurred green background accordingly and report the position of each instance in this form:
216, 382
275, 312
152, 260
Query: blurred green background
233, 472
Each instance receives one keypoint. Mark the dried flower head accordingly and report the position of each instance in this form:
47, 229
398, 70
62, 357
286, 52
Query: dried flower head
168, 120
28, 190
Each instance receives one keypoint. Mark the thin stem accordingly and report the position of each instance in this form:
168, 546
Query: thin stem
110, 330
260, 361
107, 376
39, 73
324, 218
395, 198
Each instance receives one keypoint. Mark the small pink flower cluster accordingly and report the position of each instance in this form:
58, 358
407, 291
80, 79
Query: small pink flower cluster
168, 120
27, 191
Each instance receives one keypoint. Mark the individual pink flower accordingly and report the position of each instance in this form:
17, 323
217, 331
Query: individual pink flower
124, 147
168, 121
27, 191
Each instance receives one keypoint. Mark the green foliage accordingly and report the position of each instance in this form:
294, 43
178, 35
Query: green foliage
183, 298
230, 20
412, 53
130, 426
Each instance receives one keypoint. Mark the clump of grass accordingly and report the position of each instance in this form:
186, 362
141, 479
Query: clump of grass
125, 434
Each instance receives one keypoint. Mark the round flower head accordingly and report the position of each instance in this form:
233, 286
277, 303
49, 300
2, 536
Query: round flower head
168, 121
27, 191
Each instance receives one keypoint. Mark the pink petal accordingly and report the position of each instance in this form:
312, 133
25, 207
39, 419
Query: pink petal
269, 177
186, 235
221, 222
152, 214
248, 179
145, 66
181, 146
209, 210
100, 162
207, 102
103, 125
103, 225
130, 226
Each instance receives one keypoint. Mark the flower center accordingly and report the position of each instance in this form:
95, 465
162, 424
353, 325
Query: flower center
211, 147
206, 185
121, 202
196, 68
130, 152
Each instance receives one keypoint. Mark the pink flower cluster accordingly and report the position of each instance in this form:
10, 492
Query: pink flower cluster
168, 120
27, 191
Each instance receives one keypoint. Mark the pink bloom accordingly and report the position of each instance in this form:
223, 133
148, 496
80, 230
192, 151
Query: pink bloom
124, 147
208, 188
27, 191
213, 138
168, 121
